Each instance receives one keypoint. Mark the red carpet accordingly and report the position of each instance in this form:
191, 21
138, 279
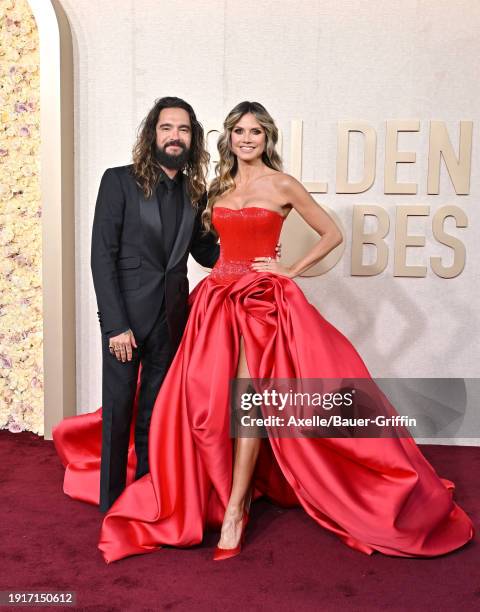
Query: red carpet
49, 542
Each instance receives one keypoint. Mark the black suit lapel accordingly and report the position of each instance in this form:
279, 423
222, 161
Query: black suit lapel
185, 229
151, 226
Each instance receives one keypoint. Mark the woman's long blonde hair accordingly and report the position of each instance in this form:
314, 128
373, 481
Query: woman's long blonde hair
227, 166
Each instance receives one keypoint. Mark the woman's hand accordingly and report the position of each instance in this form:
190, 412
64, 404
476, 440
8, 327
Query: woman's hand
269, 264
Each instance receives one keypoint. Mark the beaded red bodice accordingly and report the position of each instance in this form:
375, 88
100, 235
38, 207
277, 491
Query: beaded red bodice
245, 233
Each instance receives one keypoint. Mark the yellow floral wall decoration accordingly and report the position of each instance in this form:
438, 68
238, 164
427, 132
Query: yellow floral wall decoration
21, 312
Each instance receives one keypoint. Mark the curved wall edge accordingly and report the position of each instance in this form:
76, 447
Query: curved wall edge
58, 222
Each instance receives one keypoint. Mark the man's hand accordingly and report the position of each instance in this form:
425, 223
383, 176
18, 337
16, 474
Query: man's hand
278, 250
122, 346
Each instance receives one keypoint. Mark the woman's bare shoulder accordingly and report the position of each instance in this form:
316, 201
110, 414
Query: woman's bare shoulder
284, 181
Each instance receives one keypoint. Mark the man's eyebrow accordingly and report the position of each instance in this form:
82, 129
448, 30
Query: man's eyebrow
184, 125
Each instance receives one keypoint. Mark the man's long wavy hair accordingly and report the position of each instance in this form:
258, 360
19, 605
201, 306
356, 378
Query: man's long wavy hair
227, 166
146, 168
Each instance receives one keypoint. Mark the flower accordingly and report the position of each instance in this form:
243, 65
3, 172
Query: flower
21, 337
6, 235
5, 361
20, 107
14, 427
12, 54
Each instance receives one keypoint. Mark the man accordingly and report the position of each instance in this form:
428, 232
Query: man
147, 221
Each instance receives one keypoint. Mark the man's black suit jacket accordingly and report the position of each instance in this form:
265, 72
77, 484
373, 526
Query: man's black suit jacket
130, 279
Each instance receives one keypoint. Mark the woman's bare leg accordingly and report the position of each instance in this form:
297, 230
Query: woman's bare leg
245, 458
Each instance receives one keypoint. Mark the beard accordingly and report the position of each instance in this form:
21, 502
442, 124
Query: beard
172, 162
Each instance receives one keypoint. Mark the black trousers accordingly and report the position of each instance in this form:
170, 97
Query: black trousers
119, 383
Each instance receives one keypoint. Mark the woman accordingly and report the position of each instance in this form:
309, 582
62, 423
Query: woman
249, 320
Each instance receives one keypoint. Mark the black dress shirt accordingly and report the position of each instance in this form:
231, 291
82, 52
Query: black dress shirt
170, 204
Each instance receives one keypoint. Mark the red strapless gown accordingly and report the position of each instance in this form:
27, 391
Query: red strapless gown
376, 494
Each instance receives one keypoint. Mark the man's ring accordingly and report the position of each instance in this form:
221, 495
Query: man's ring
269, 259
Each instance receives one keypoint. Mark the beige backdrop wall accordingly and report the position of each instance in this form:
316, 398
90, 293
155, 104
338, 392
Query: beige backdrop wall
321, 61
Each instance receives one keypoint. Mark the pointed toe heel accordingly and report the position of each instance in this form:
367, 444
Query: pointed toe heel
220, 554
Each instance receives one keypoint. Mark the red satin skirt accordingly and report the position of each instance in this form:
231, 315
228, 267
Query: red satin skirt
375, 494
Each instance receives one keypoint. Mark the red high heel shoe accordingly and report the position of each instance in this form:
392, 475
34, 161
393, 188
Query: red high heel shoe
220, 554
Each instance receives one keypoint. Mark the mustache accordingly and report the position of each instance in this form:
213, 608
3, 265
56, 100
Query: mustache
177, 143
